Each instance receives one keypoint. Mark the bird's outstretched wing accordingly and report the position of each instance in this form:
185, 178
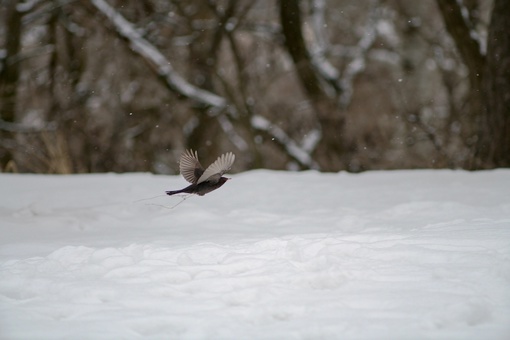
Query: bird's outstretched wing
218, 168
190, 167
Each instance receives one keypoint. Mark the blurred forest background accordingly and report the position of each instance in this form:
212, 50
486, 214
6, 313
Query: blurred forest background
127, 85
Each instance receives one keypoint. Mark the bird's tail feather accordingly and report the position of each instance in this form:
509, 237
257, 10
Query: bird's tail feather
173, 192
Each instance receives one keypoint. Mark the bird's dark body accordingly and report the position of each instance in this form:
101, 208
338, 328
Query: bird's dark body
202, 180
200, 189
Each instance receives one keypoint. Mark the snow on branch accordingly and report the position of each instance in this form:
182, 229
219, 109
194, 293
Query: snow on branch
311, 140
233, 136
358, 63
293, 149
154, 57
473, 33
319, 61
23, 128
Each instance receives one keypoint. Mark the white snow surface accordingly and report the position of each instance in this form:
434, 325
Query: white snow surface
422, 254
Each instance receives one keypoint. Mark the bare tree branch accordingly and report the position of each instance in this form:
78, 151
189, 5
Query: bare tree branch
23, 128
319, 60
358, 63
164, 69
233, 136
157, 60
293, 149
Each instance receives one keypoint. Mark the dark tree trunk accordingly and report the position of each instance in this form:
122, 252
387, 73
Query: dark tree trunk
9, 74
330, 150
460, 31
489, 77
290, 17
469, 50
495, 146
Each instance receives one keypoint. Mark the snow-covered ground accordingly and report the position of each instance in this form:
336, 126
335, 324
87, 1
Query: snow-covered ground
271, 255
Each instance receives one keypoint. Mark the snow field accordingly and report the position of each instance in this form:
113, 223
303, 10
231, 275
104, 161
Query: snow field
270, 255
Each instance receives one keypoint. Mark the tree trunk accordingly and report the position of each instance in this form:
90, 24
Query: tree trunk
460, 29
495, 145
9, 74
331, 147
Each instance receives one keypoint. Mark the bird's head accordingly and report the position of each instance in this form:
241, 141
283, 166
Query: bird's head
224, 179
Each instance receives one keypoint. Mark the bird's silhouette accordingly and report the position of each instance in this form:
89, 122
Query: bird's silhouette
203, 181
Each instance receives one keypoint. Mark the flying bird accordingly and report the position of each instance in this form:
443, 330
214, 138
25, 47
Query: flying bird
203, 181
